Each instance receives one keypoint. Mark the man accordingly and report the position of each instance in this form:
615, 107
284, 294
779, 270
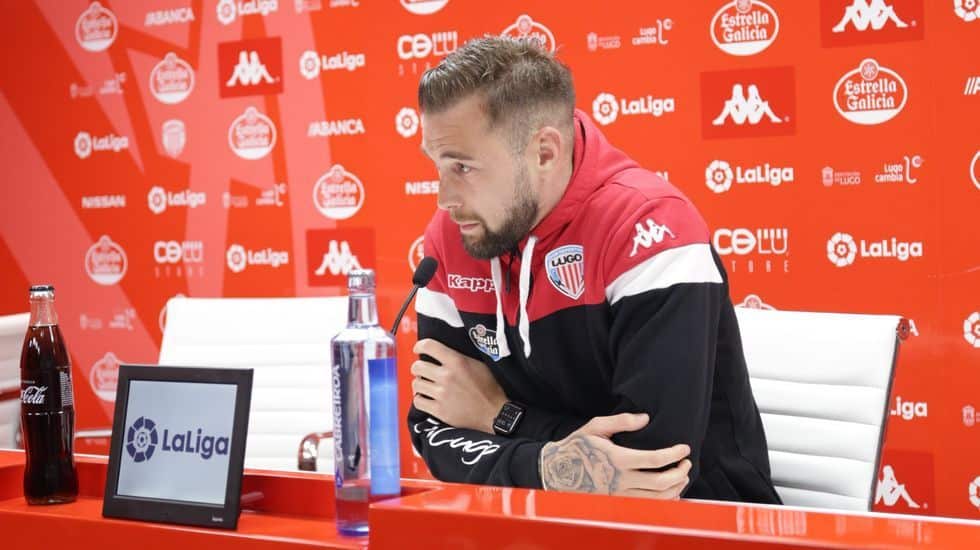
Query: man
578, 333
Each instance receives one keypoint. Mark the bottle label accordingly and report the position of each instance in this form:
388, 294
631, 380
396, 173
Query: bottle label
51, 392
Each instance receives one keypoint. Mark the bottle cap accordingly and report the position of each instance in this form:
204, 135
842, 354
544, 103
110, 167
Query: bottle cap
360, 281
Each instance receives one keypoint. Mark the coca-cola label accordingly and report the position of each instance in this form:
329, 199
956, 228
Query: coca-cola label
51, 391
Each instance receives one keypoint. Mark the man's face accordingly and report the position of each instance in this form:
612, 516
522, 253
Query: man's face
484, 186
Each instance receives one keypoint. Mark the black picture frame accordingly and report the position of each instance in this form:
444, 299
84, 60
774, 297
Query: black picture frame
178, 511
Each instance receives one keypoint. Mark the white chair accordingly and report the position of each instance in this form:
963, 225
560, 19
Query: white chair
13, 328
821, 381
287, 343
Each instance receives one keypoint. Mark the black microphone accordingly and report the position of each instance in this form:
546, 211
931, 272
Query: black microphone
423, 274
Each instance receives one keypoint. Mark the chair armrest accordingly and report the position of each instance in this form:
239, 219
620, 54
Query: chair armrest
309, 449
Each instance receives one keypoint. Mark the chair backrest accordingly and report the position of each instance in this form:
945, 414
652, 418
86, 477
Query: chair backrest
287, 343
821, 381
12, 331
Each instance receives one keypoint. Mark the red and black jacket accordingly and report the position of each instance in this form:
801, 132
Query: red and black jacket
614, 303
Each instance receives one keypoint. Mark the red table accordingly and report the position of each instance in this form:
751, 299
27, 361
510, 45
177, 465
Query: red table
296, 511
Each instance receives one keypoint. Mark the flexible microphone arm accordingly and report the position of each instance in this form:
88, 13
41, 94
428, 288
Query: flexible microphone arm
423, 274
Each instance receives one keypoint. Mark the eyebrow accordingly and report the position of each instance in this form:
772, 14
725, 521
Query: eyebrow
455, 155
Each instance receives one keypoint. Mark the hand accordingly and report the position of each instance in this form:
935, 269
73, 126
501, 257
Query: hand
588, 462
461, 392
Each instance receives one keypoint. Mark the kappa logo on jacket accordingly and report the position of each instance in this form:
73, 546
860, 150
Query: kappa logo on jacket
566, 270
652, 233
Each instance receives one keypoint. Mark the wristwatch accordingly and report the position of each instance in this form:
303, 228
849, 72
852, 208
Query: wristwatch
508, 418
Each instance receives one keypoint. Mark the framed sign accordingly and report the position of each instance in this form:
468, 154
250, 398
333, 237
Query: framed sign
178, 445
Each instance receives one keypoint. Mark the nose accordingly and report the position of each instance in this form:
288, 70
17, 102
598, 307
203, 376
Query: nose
448, 197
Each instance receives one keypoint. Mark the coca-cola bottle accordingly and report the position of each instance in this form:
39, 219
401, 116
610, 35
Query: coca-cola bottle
47, 406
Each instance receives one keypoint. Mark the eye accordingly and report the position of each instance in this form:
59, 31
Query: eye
462, 169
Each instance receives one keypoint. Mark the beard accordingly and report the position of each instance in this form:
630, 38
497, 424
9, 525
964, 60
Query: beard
520, 218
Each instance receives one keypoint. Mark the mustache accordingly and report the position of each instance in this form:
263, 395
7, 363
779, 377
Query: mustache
465, 219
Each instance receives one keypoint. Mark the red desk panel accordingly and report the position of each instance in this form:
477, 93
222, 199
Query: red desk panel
296, 510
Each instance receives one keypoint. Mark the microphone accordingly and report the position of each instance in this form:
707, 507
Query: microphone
423, 274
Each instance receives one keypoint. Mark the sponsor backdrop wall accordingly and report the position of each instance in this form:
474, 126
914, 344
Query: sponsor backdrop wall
264, 147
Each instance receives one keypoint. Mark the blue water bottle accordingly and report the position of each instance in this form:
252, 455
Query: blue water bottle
365, 408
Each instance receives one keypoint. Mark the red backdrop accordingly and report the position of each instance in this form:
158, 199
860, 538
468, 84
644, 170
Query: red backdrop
262, 147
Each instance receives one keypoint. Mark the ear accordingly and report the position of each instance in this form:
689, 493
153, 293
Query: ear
546, 148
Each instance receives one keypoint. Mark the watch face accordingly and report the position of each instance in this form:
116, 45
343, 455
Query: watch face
508, 418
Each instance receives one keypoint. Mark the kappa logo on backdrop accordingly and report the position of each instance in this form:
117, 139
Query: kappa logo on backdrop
862, 22
905, 483
566, 270
250, 67
171, 80
252, 135
105, 262
96, 28
333, 253
229, 10
865, 14
424, 7
525, 27
870, 94
744, 27
748, 103
647, 235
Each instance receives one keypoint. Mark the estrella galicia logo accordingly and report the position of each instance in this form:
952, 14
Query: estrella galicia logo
141, 439
485, 340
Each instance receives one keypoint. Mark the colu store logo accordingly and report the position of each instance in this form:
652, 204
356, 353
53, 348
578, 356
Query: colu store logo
741, 241
142, 441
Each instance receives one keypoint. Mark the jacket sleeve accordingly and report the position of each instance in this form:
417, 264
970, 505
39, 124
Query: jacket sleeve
666, 291
458, 454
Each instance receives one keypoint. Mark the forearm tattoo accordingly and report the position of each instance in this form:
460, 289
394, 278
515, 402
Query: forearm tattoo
575, 465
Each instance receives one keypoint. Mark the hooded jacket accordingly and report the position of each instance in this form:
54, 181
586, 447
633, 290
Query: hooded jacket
615, 302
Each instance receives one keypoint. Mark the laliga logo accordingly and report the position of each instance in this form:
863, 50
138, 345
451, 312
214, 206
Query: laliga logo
971, 329
338, 194
228, 10
910, 409
96, 28
171, 80
157, 199
606, 110
424, 7
312, 63
744, 27
870, 94
967, 10
525, 27
252, 135
105, 262
718, 176
415, 253
237, 258
142, 439
407, 122
83, 145
975, 170
841, 249
104, 377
